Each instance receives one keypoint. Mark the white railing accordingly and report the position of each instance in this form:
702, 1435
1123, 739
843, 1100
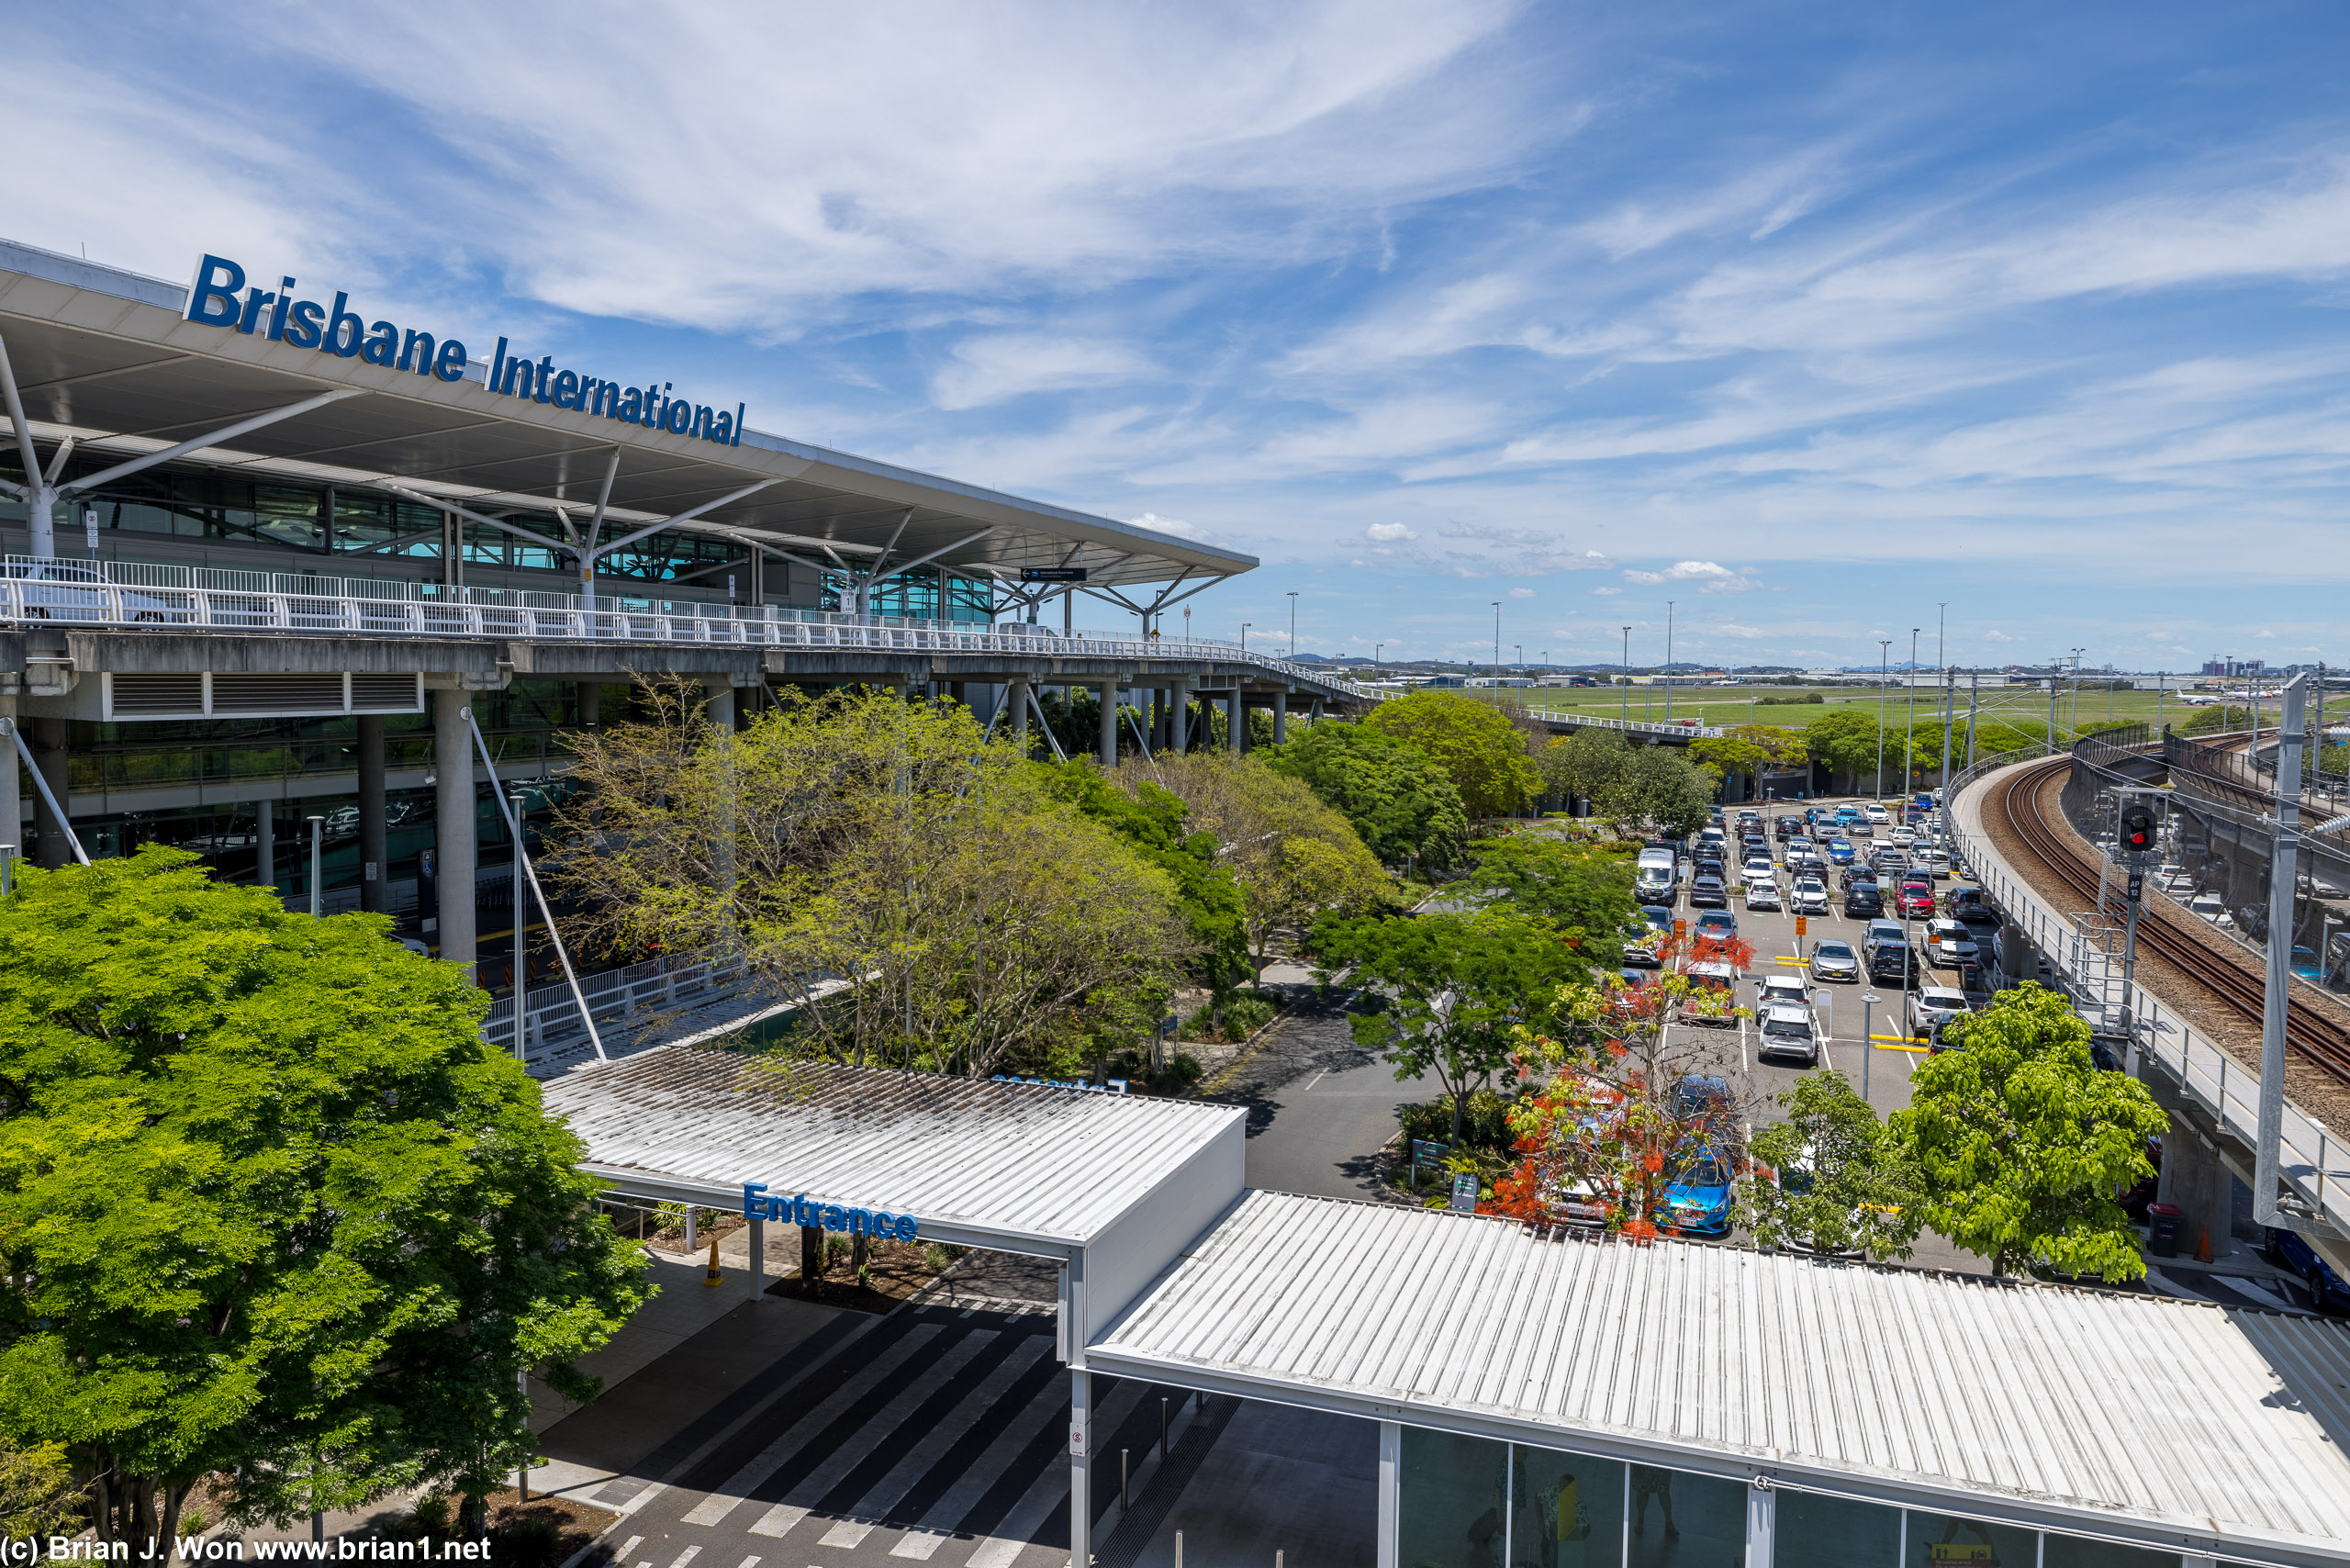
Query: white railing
137, 596
551, 1015
2315, 1162
1629, 726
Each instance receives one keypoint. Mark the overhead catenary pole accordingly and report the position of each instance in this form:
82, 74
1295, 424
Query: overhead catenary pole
1883, 683
1909, 730
2282, 874
1974, 700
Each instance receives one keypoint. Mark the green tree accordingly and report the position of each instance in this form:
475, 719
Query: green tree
2021, 1145
1835, 1182
1846, 739
270, 1207
1154, 823
2218, 718
1472, 741
1585, 887
1635, 788
1458, 988
39, 1496
1399, 801
1750, 750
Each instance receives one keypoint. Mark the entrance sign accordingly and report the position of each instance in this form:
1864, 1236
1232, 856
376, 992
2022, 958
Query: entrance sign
1464, 1194
878, 1223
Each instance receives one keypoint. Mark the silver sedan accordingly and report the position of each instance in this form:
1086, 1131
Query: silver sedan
1834, 960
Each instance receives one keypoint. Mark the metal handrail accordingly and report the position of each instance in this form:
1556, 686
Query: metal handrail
92, 594
2225, 1087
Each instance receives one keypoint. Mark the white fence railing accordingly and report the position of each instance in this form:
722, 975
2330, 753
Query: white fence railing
137, 596
1629, 726
2315, 1160
551, 1016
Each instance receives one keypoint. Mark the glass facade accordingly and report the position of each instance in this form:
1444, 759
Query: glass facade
1470, 1503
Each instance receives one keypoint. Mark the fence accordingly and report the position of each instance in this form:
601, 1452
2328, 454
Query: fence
2315, 1162
137, 596
553, 1028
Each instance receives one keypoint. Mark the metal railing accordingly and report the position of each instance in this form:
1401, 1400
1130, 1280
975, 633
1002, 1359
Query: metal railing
1629, 726
2314, 1160
137, 596
552, 1029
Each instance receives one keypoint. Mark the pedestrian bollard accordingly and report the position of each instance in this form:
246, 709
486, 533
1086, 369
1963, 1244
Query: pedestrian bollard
1123, 1503
1178, 1549
1277, 1560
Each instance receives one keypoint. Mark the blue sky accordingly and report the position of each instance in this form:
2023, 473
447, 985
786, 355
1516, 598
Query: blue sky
1809, 319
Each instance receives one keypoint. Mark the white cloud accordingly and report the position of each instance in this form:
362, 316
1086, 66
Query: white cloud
1604, 592
1158, 524
990, 369
1386, 533
1994, 635
1521, 593
1711, 576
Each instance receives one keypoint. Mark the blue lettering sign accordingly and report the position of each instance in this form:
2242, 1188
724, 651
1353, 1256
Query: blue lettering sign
798, 1209
212, 301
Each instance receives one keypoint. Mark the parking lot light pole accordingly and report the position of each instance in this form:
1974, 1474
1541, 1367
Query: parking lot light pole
1909, 727
1868, 1039
1624, 692
1668, 661
1884, 681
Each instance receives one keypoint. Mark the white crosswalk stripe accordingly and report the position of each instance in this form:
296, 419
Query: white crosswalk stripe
849, 1455
1050, 1489
1050, 1405
907, 1473
743, 1482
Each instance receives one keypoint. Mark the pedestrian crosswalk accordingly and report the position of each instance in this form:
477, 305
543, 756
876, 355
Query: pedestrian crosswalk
934, 1435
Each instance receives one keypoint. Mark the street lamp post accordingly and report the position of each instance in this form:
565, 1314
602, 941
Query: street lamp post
1519, 649
2075, 725
1497, 639
1292, 624
1910, 733
1624, 692
1668, 661
1244, 634
1376, 649
522, 975
1868, 1039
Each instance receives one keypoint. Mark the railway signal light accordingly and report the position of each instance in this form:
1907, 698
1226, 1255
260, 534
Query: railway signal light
2137, 828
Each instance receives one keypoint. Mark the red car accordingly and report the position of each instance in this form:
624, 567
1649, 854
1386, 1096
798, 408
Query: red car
1917, 897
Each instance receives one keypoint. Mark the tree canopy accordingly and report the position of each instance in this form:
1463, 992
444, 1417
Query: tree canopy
982, 923
1751, 750
270, 1207
1472, 741
1399, 800
1585, 887
1831, 1179
2021, 1145
1458, 989
1635, 788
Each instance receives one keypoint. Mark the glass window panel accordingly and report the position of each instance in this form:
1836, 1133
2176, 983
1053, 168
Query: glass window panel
2072, 1551
364, 520
485, 545
1567, 1512
1681, 1519
1453, 1497
1946, 1540
289, 514
1831, 1532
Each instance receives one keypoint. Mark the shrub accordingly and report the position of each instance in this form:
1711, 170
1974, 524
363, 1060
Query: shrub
1484, 1121
431, 1511
527, 1540
1246, 1014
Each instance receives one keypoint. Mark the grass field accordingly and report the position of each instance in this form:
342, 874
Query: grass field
2024, 709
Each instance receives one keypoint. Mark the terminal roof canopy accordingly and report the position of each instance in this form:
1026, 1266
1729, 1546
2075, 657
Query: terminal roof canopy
104, 355
1020, 1166
1933, 1389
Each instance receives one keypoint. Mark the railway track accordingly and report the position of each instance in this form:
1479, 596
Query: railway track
2322, 1040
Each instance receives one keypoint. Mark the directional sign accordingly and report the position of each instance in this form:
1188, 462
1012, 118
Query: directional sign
1802, 924
1464, 1194
1052, 574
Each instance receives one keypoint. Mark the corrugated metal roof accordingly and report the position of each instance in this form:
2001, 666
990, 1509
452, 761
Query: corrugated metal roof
1017, 1159
2182, 1415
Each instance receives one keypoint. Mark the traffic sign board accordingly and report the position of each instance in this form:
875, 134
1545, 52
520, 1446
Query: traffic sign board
1052, 574
1802, 924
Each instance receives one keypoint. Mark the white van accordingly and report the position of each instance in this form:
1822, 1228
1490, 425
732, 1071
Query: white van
1653, 879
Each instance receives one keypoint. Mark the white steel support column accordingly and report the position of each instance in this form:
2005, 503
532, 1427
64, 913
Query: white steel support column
2283, 869
1109, 739
1391, 1489
1080, 1468
1762, 1525
456, 819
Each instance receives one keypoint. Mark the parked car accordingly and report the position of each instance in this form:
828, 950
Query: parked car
2211, 906
1698, 1200
1714, 925
1782, 988
1834, 959
2290, 1251
1862, 899
1709, 890
1933, 862
1917, 898
1902, 837
1861, 829
1840, 851
1948, 943
1763, 894
1784, 828
1811, 896
1786, 1030
1877, 816
1968, 904
1847, 815
1928, 1005
1890, 962
1642, 950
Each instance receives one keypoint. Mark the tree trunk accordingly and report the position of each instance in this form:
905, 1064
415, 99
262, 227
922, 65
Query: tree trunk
857, 1252
473, 1516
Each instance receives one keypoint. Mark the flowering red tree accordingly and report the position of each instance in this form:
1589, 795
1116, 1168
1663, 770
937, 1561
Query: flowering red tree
1633, 1098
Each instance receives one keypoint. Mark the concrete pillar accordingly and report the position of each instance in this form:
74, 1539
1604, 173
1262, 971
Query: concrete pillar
2194, 1178
374, 875
1178, 715
1157, 727
1016, 693
456, 820
718, 692
265, 844
48, 739
12, 803
591, 704
1280, 717
954, 693
1108, 691
1080, 1467
1235, 721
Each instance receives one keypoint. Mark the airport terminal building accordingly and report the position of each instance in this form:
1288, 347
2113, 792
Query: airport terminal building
270, 557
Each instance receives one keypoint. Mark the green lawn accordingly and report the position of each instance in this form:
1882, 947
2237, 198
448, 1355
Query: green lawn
2023, 708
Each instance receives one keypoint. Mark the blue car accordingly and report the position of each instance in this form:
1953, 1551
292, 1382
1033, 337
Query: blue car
1698, 1200
1840, 852
2290, 1251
